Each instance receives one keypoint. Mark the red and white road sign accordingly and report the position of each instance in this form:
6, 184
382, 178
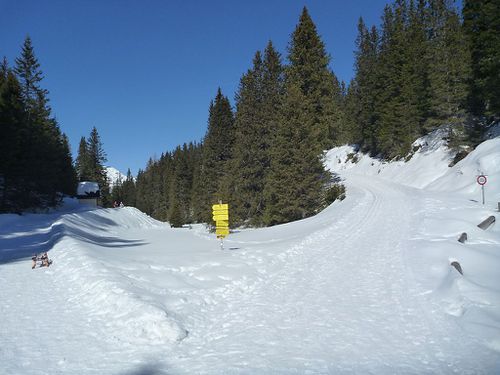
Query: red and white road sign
481, 180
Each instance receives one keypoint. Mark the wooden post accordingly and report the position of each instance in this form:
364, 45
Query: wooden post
485, 224
463, 237
457, 267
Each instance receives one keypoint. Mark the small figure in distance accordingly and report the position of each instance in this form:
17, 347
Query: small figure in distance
34, 258
115, 204
122, 205
45, 260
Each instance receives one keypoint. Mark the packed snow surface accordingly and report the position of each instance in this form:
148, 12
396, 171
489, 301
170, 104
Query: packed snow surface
365, 286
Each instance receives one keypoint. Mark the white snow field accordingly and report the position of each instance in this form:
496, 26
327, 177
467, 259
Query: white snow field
364, 287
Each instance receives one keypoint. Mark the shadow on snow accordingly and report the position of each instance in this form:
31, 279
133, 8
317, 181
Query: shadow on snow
25, 238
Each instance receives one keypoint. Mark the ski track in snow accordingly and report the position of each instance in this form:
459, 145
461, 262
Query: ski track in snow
309, 318
340, 299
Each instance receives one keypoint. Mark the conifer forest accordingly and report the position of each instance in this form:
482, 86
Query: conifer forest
426, 65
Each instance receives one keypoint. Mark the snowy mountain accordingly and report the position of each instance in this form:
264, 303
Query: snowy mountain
365, 286
114, 175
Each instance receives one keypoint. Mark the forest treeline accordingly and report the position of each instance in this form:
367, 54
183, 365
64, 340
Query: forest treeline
426, 65
36, 167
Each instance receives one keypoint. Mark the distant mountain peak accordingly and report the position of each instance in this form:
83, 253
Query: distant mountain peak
114, 176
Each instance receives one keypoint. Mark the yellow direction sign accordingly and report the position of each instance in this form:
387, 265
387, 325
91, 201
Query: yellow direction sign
220, 214
222, 223
221, 207
222, 232
220, 217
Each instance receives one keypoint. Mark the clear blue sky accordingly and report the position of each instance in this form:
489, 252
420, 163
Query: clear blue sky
144, 72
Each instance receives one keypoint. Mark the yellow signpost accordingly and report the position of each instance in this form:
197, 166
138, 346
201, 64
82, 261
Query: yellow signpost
220, 214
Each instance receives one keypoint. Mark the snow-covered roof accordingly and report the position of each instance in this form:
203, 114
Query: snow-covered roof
87, 187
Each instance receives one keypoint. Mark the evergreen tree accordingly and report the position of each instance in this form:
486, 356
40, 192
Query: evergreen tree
309, 71
449, 66
217, 151
296, 178
415, 90
362, 94
67, 172
82, 164
96, 157
14, 187
392, 139
29, 74
45, 169
482, 28
180, 187
117, 191
175, 216
142, 197
128, 190
257, 114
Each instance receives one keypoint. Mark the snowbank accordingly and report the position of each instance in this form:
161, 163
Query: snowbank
430, 161
429, 167
461, 178
451, 206
70, 241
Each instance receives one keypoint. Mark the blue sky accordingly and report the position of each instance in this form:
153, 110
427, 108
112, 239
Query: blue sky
144, 72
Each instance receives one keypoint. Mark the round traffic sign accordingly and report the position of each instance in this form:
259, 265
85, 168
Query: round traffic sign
481, 180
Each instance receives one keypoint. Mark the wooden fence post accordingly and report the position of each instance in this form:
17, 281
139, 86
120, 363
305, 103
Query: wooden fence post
463, 237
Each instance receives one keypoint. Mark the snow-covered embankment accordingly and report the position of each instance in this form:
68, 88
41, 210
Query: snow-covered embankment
451, 206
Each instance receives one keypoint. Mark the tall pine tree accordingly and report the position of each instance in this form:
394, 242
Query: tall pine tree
217, 151
449, 64
43, 167
482, 28
296, 178
309, 71
257, 115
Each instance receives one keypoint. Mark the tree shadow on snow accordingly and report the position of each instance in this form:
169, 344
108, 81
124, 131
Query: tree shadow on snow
21, 241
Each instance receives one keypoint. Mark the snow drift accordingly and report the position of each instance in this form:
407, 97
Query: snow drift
74, 240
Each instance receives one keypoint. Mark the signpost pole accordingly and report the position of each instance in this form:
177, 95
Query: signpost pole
481, 180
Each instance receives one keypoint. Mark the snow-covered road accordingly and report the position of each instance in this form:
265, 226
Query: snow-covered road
344, 302
335, 293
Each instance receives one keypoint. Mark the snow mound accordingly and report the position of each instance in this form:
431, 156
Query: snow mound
484, 160
108, 295
125, 217
104, 296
